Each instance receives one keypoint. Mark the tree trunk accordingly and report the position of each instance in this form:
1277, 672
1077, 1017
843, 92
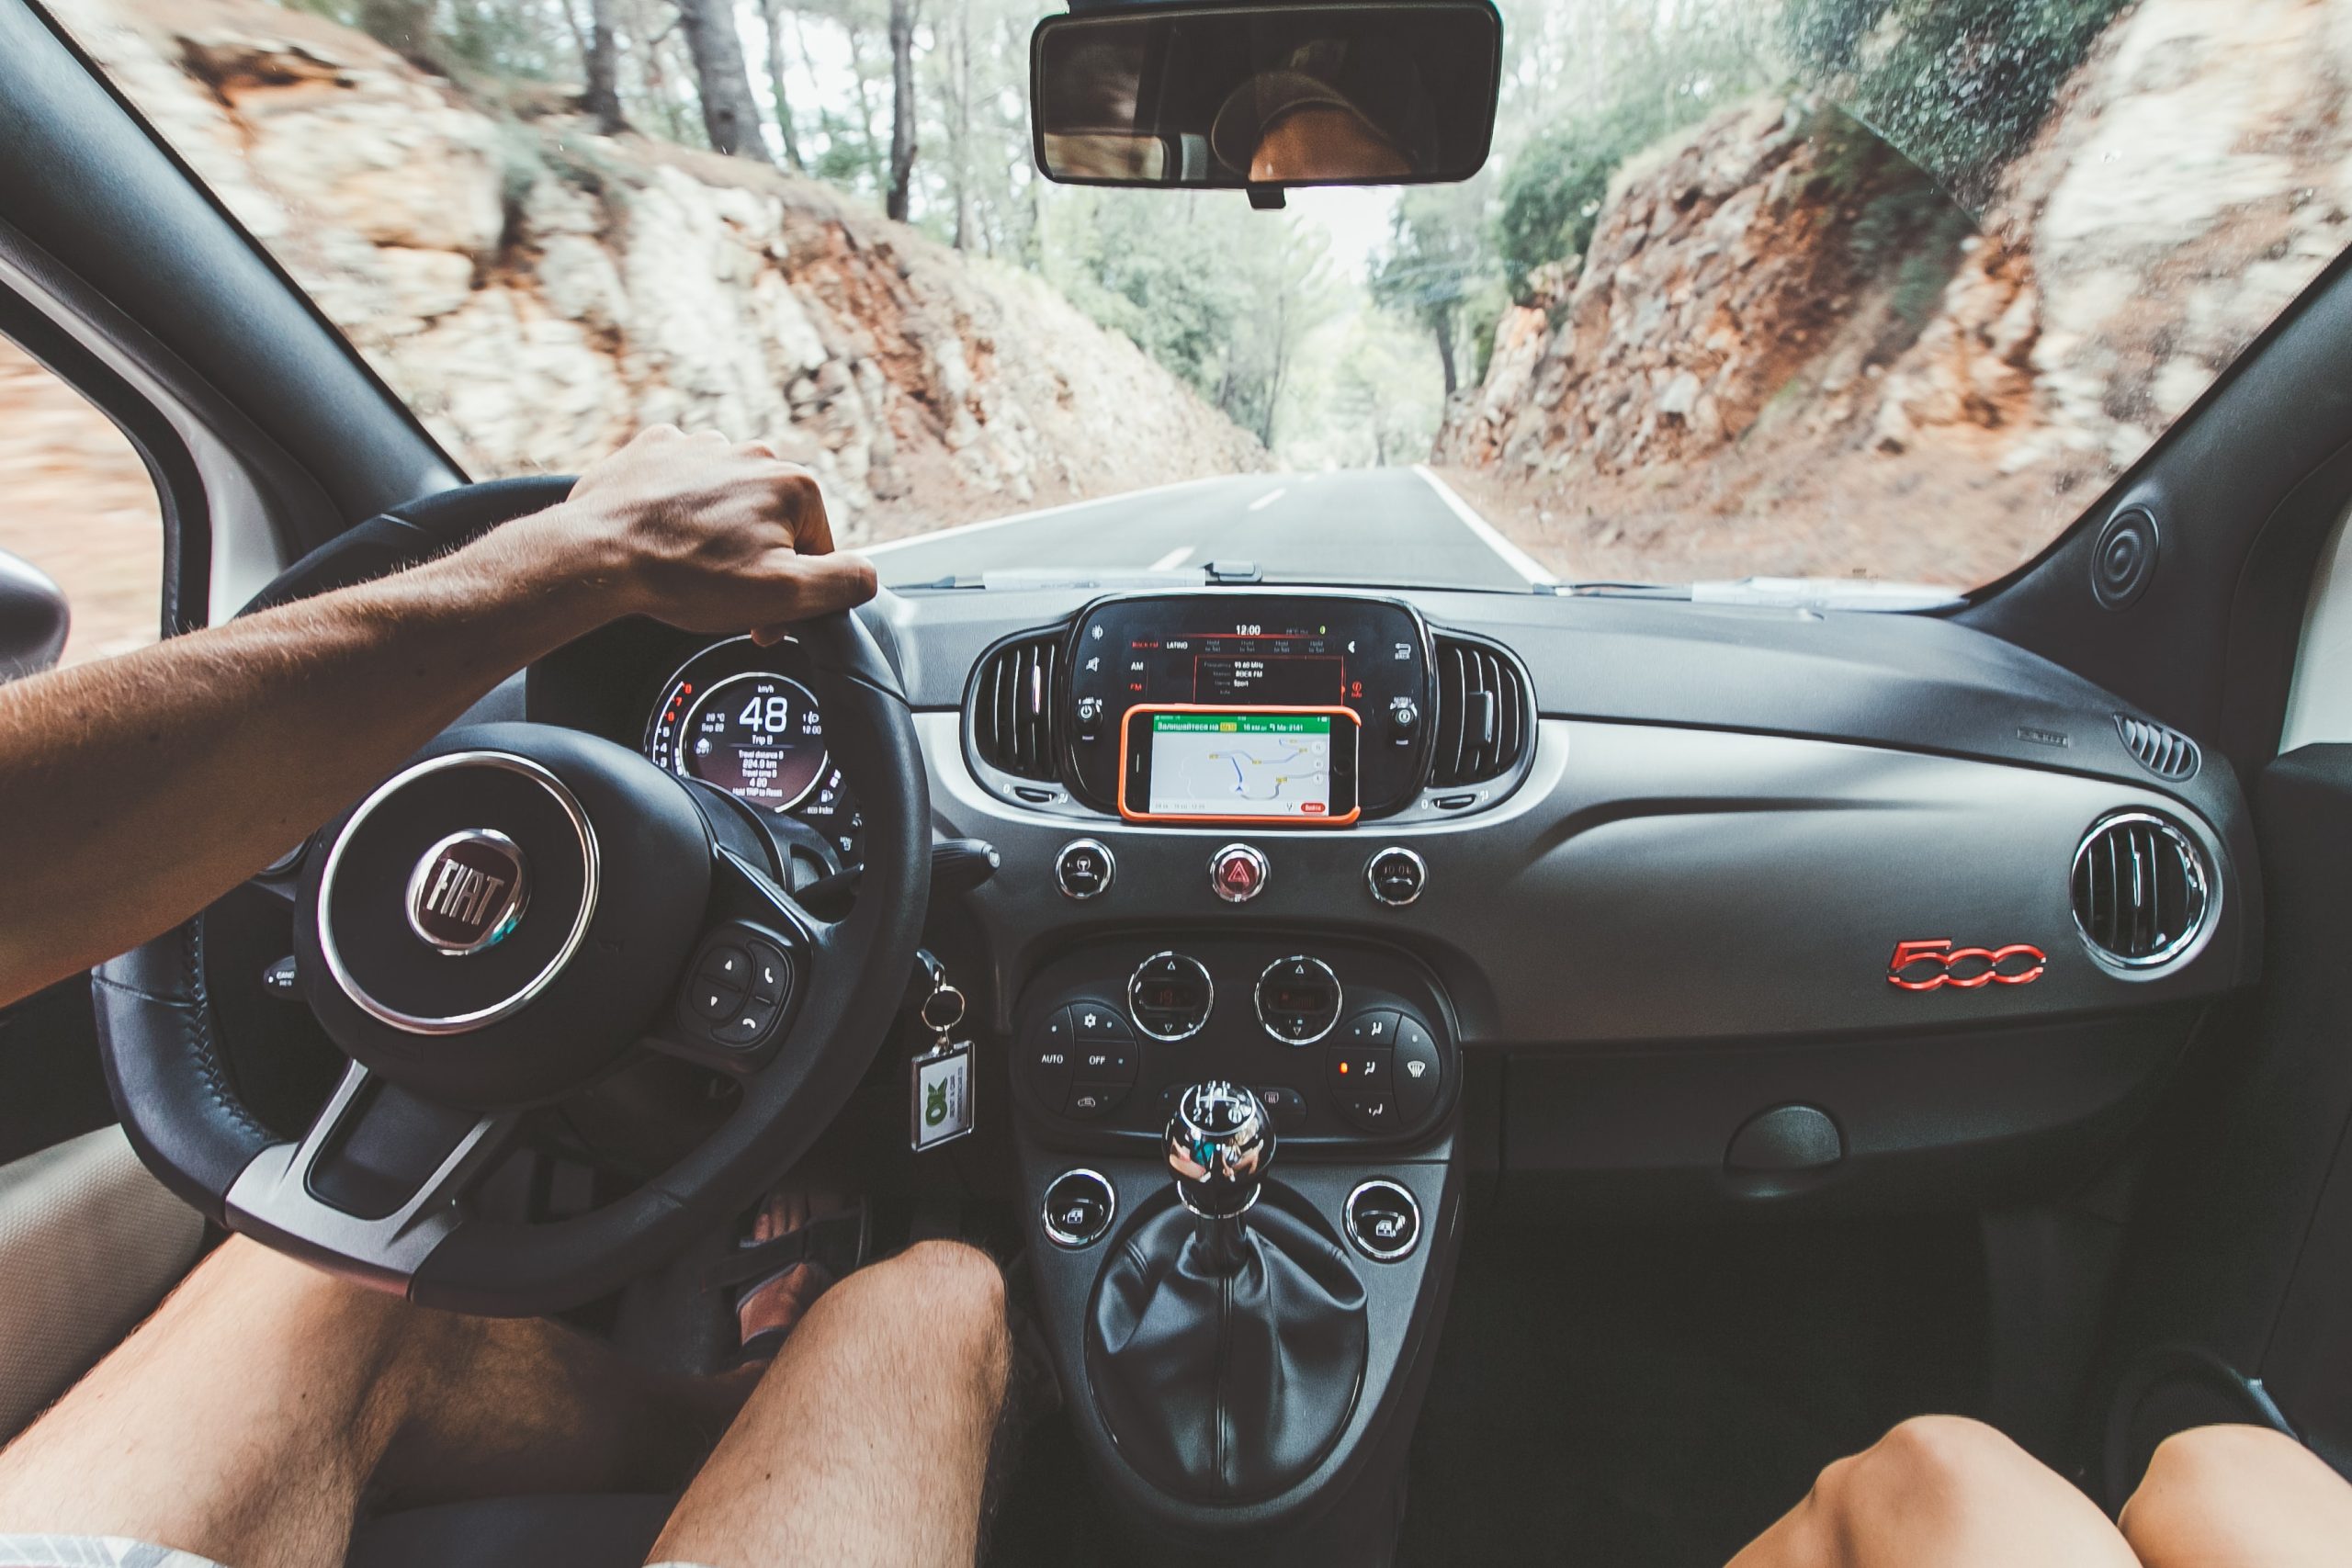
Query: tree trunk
729, 113
772, 13
865, 107
1444, 325
963, 124
902, 107
601, 53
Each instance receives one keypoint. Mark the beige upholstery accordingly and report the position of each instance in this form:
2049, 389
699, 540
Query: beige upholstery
89, 1243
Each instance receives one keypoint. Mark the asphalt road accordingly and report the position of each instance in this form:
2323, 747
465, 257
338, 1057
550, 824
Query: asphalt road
1394, 525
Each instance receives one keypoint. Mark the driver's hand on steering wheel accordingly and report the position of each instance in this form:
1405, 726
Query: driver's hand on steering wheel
708, 535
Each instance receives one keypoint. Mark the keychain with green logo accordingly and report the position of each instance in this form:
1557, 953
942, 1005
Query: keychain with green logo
939, 1104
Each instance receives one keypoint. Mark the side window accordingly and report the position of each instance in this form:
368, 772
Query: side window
77, 501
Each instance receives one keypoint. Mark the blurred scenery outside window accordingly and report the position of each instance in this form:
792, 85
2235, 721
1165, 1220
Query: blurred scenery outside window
1854, 288
77, 501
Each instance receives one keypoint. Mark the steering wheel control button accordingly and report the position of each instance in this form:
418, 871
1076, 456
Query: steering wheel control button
739, 984
1239, 874
1298, 999
715, 1000
1078, 1209
1169, 996
1383, 1220
727, 966
1287, 1106
1395, 876
771, 974
748, 1025
1417, 1080
1084, 869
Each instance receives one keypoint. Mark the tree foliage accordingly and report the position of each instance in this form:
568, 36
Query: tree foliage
1959, 88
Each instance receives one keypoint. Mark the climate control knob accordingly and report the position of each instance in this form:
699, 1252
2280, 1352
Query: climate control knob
1169, 996
1298, 999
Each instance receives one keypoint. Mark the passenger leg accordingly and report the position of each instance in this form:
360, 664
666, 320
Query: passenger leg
867, 1442
2239, 1497
1940, 1491
250, 1417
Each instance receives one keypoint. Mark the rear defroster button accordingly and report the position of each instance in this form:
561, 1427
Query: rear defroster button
1078, 1208
1383, 1220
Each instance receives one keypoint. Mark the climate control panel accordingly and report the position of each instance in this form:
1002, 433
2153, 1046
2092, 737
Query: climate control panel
1345, 1042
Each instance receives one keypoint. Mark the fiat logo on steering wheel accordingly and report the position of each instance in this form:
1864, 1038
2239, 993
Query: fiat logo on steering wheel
468, 891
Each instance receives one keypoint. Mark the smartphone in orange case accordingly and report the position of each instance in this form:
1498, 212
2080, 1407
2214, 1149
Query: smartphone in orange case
1290, 767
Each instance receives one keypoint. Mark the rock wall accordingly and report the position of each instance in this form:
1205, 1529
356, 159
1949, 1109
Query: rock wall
536, 291
1754, 371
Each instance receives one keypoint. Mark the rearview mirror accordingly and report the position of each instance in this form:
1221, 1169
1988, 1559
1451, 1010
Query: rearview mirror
1396, 92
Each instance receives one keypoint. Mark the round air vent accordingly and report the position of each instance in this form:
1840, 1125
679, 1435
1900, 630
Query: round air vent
2141, 892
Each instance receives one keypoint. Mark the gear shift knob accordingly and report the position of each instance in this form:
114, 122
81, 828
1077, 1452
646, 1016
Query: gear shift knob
1220, 1142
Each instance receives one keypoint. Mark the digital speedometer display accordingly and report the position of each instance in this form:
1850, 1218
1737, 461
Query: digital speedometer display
742, 719
758, 736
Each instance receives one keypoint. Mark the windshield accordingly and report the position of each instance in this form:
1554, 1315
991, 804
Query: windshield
1878, 291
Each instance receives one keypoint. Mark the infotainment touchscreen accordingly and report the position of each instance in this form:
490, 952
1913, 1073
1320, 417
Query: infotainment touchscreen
1198, 763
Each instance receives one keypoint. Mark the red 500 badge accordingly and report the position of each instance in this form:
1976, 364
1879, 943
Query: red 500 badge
1926, 965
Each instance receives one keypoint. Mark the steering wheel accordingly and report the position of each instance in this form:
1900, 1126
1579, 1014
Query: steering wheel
517, 911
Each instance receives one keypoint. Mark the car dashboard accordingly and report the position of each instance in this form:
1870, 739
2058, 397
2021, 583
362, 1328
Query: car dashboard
1678, 906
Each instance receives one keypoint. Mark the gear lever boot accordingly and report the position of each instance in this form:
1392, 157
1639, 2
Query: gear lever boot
1226, 1339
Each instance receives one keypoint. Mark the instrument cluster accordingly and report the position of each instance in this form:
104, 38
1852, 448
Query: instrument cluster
743, 718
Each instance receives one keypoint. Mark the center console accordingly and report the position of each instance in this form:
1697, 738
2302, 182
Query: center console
1243, 1340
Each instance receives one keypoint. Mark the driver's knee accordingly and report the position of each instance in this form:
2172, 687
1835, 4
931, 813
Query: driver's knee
941, 1293
2201, 1485
1932, 1472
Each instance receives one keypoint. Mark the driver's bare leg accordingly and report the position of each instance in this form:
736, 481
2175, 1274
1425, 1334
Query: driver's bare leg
2238, 1497
248, 1417
867, 1442
1940, 1492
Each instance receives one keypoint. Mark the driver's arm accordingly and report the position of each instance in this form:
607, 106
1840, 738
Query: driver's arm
135, 790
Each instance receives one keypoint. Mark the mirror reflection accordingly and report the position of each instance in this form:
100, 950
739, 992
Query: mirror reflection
1266, 95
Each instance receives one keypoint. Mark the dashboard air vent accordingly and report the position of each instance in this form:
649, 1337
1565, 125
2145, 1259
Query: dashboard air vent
1013, 706
1482, 720
2167, 753
2140, 889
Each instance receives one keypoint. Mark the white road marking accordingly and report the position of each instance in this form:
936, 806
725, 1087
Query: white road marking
887, 546
1518, 561
1172, 559
1268, 499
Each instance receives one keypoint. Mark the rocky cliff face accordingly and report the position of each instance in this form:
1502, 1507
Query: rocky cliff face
536, 291
1777, 357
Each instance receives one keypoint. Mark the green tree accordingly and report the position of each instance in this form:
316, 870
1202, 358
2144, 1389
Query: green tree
1960, 89
1438, 261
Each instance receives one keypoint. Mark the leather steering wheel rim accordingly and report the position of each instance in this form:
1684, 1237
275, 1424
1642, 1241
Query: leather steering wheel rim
176, 1095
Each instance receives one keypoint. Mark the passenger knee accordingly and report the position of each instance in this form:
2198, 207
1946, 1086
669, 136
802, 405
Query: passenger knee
1939, 1466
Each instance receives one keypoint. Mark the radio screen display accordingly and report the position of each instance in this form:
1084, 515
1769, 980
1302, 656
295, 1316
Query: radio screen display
1240, 764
